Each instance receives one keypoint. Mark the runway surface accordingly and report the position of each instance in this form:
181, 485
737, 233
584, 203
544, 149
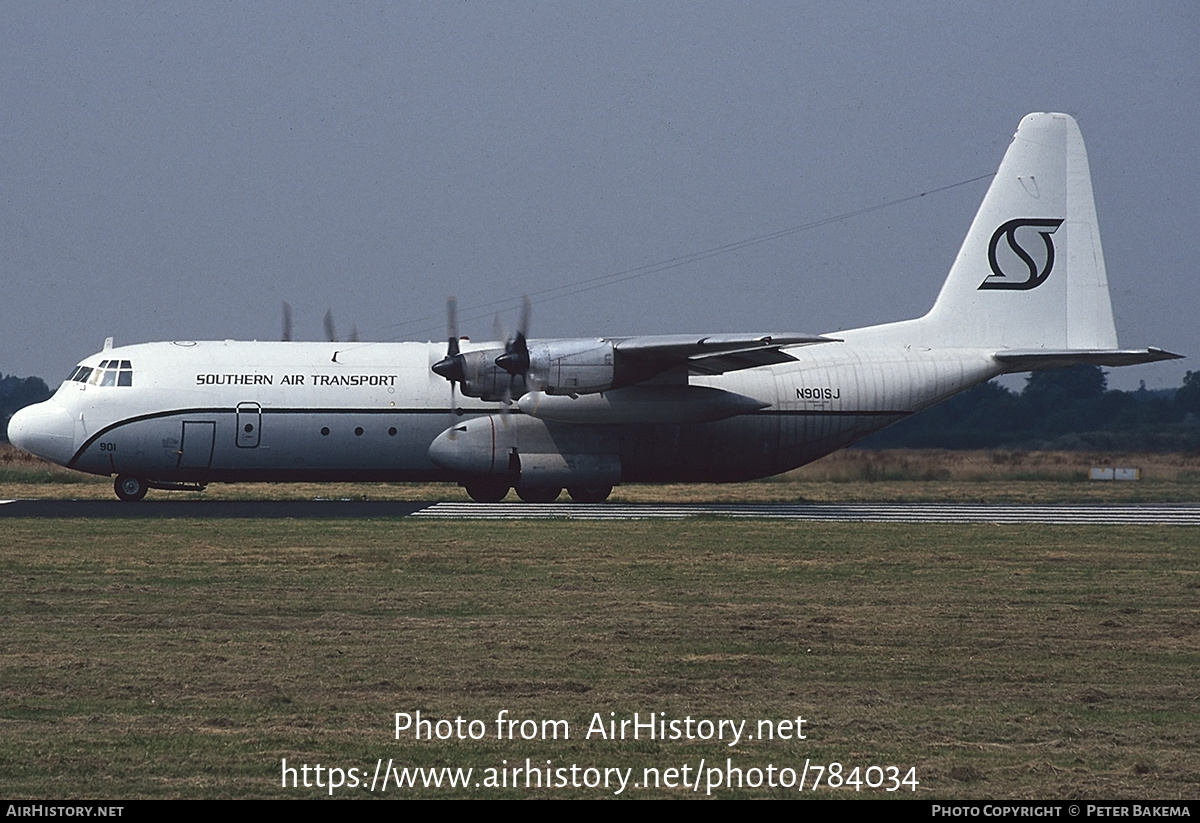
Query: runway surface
1148, 514
211, 509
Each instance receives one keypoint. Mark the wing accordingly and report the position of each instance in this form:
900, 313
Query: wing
645, 357
644, 379
592, 365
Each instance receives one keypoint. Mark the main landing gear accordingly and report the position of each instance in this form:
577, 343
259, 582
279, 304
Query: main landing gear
580, 494
589, 494
487, 491
493, 491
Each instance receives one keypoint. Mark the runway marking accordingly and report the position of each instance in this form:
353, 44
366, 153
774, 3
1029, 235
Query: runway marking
1182, 515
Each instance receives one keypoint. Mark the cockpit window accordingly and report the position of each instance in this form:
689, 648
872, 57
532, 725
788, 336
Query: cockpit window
108, 373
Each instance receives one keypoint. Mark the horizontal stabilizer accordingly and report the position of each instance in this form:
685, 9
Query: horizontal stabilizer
1017, 360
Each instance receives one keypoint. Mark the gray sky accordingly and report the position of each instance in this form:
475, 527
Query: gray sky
176, 170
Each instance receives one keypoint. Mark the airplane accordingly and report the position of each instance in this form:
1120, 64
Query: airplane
1027, 291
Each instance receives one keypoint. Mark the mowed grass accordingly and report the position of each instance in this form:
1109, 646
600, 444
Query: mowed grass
160, 658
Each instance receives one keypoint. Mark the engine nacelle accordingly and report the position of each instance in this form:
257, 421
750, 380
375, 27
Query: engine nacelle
582, 366
482, 378
559, 367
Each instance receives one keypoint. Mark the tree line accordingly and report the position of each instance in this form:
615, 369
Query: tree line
17, 393
1069, 408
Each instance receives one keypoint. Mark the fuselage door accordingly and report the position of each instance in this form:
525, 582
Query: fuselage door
249, 422
196, 444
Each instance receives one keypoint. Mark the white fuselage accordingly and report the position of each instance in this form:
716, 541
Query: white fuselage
241, 411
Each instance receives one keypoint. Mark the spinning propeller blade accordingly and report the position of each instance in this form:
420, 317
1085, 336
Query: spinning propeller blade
515, 359
451, 366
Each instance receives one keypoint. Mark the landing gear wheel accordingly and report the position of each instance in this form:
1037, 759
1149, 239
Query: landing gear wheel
538, 494
589, 494
487, 491
129, 488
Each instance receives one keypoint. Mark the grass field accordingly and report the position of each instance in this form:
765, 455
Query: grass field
189, 658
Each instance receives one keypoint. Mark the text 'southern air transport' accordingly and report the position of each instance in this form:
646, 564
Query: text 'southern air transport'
1027, 291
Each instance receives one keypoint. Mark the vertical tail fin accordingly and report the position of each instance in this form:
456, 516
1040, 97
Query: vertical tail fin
1030, 274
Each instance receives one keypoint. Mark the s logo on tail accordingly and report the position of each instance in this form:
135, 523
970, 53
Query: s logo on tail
999, 279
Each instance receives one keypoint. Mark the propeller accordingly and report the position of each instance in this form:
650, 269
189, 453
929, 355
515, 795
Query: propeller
286, 337
331, 330
451, 366
515, 359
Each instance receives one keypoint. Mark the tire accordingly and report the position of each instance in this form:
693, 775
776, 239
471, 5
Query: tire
487, 491
589, 494
538, 494
129, 488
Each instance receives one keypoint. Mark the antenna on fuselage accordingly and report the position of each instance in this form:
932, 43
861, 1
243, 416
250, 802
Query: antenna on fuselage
108, 343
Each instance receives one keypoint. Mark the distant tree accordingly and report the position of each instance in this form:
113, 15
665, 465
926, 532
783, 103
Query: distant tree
1052, 387
17, 393
1187, 399
1068, 400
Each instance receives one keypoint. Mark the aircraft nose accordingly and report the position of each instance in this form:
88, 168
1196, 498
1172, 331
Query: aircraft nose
45, 429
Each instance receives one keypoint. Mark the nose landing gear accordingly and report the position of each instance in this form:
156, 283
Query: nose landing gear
130, 488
